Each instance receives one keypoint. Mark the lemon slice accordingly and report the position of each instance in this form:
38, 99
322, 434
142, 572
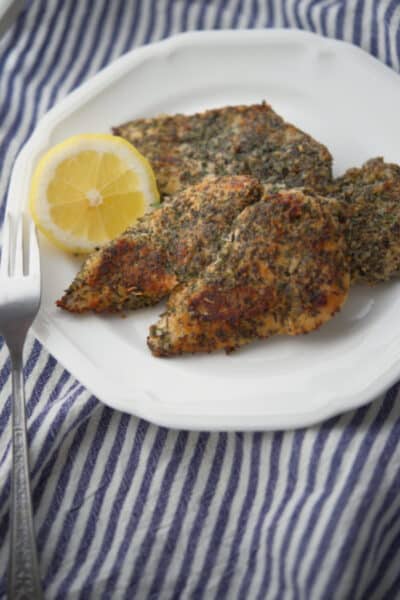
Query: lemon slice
88, 189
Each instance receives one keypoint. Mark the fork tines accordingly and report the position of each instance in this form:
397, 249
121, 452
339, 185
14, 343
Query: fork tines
17, 257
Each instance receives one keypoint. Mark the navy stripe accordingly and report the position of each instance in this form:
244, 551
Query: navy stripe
134, 26
75, 51
220, 12
296, 13
57, 54
6, 411
384, 533
390, 498
185, 16
179, 516
253, 15
93, 517
152, 21
285, 17
38, 16
61, 546
214, 545
61, 485
374, 28
350, 539
158, 513
268, 498
202, 512
97, 38
114, 33
357, 28
292, 480
314, 464
252, 485
168, 19
38, 488
270, 13
393, 591
55, 393
391, 556
358, 465
5, 374
137, 510
333, 473
339, 25
309, 15
236, 14
34, 400
203, 9
388, 16
22, 98
117, 508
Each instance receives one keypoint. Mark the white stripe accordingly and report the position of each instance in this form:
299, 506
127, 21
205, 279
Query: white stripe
259, 497
346, 517
348, 21
392, 572
366, 25
176, 16
129, 501
302, 12
299, 490
394, 27
290, 14
5, 438
90, 34
278, 494
381, 9
24, 88
198, 488
165, 524
108, 503
66, 52
161, 10
234, 508
209, 522
369, 515
263, 14
71, 546
64, 448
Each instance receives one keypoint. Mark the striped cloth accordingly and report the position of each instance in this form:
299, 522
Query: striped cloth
125, 509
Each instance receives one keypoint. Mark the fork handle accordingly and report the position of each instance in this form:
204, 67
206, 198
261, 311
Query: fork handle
24, 576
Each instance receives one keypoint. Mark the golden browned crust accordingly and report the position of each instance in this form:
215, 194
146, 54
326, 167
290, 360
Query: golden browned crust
176, 241
250, 140
284, 271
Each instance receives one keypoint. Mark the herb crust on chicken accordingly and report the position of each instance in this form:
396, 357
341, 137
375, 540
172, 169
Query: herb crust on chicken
174, 242
283, 271
234, 140
370, 197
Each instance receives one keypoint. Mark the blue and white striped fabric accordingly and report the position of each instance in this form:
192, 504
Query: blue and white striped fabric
125, 509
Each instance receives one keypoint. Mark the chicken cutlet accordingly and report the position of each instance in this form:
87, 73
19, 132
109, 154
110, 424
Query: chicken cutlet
174, 242
283, 271
370, 196
251, 140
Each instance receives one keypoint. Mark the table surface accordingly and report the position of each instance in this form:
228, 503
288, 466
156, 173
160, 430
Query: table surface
125, 509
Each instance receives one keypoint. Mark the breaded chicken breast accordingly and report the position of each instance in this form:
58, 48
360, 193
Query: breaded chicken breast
234, 140
370, 197
283, 271
176, 241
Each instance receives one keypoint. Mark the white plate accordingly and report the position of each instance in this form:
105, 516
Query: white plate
334, 91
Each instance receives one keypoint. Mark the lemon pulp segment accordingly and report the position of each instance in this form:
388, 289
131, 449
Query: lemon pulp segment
89, 189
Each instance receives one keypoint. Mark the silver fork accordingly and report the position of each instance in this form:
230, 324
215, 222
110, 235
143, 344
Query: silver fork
19, 304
